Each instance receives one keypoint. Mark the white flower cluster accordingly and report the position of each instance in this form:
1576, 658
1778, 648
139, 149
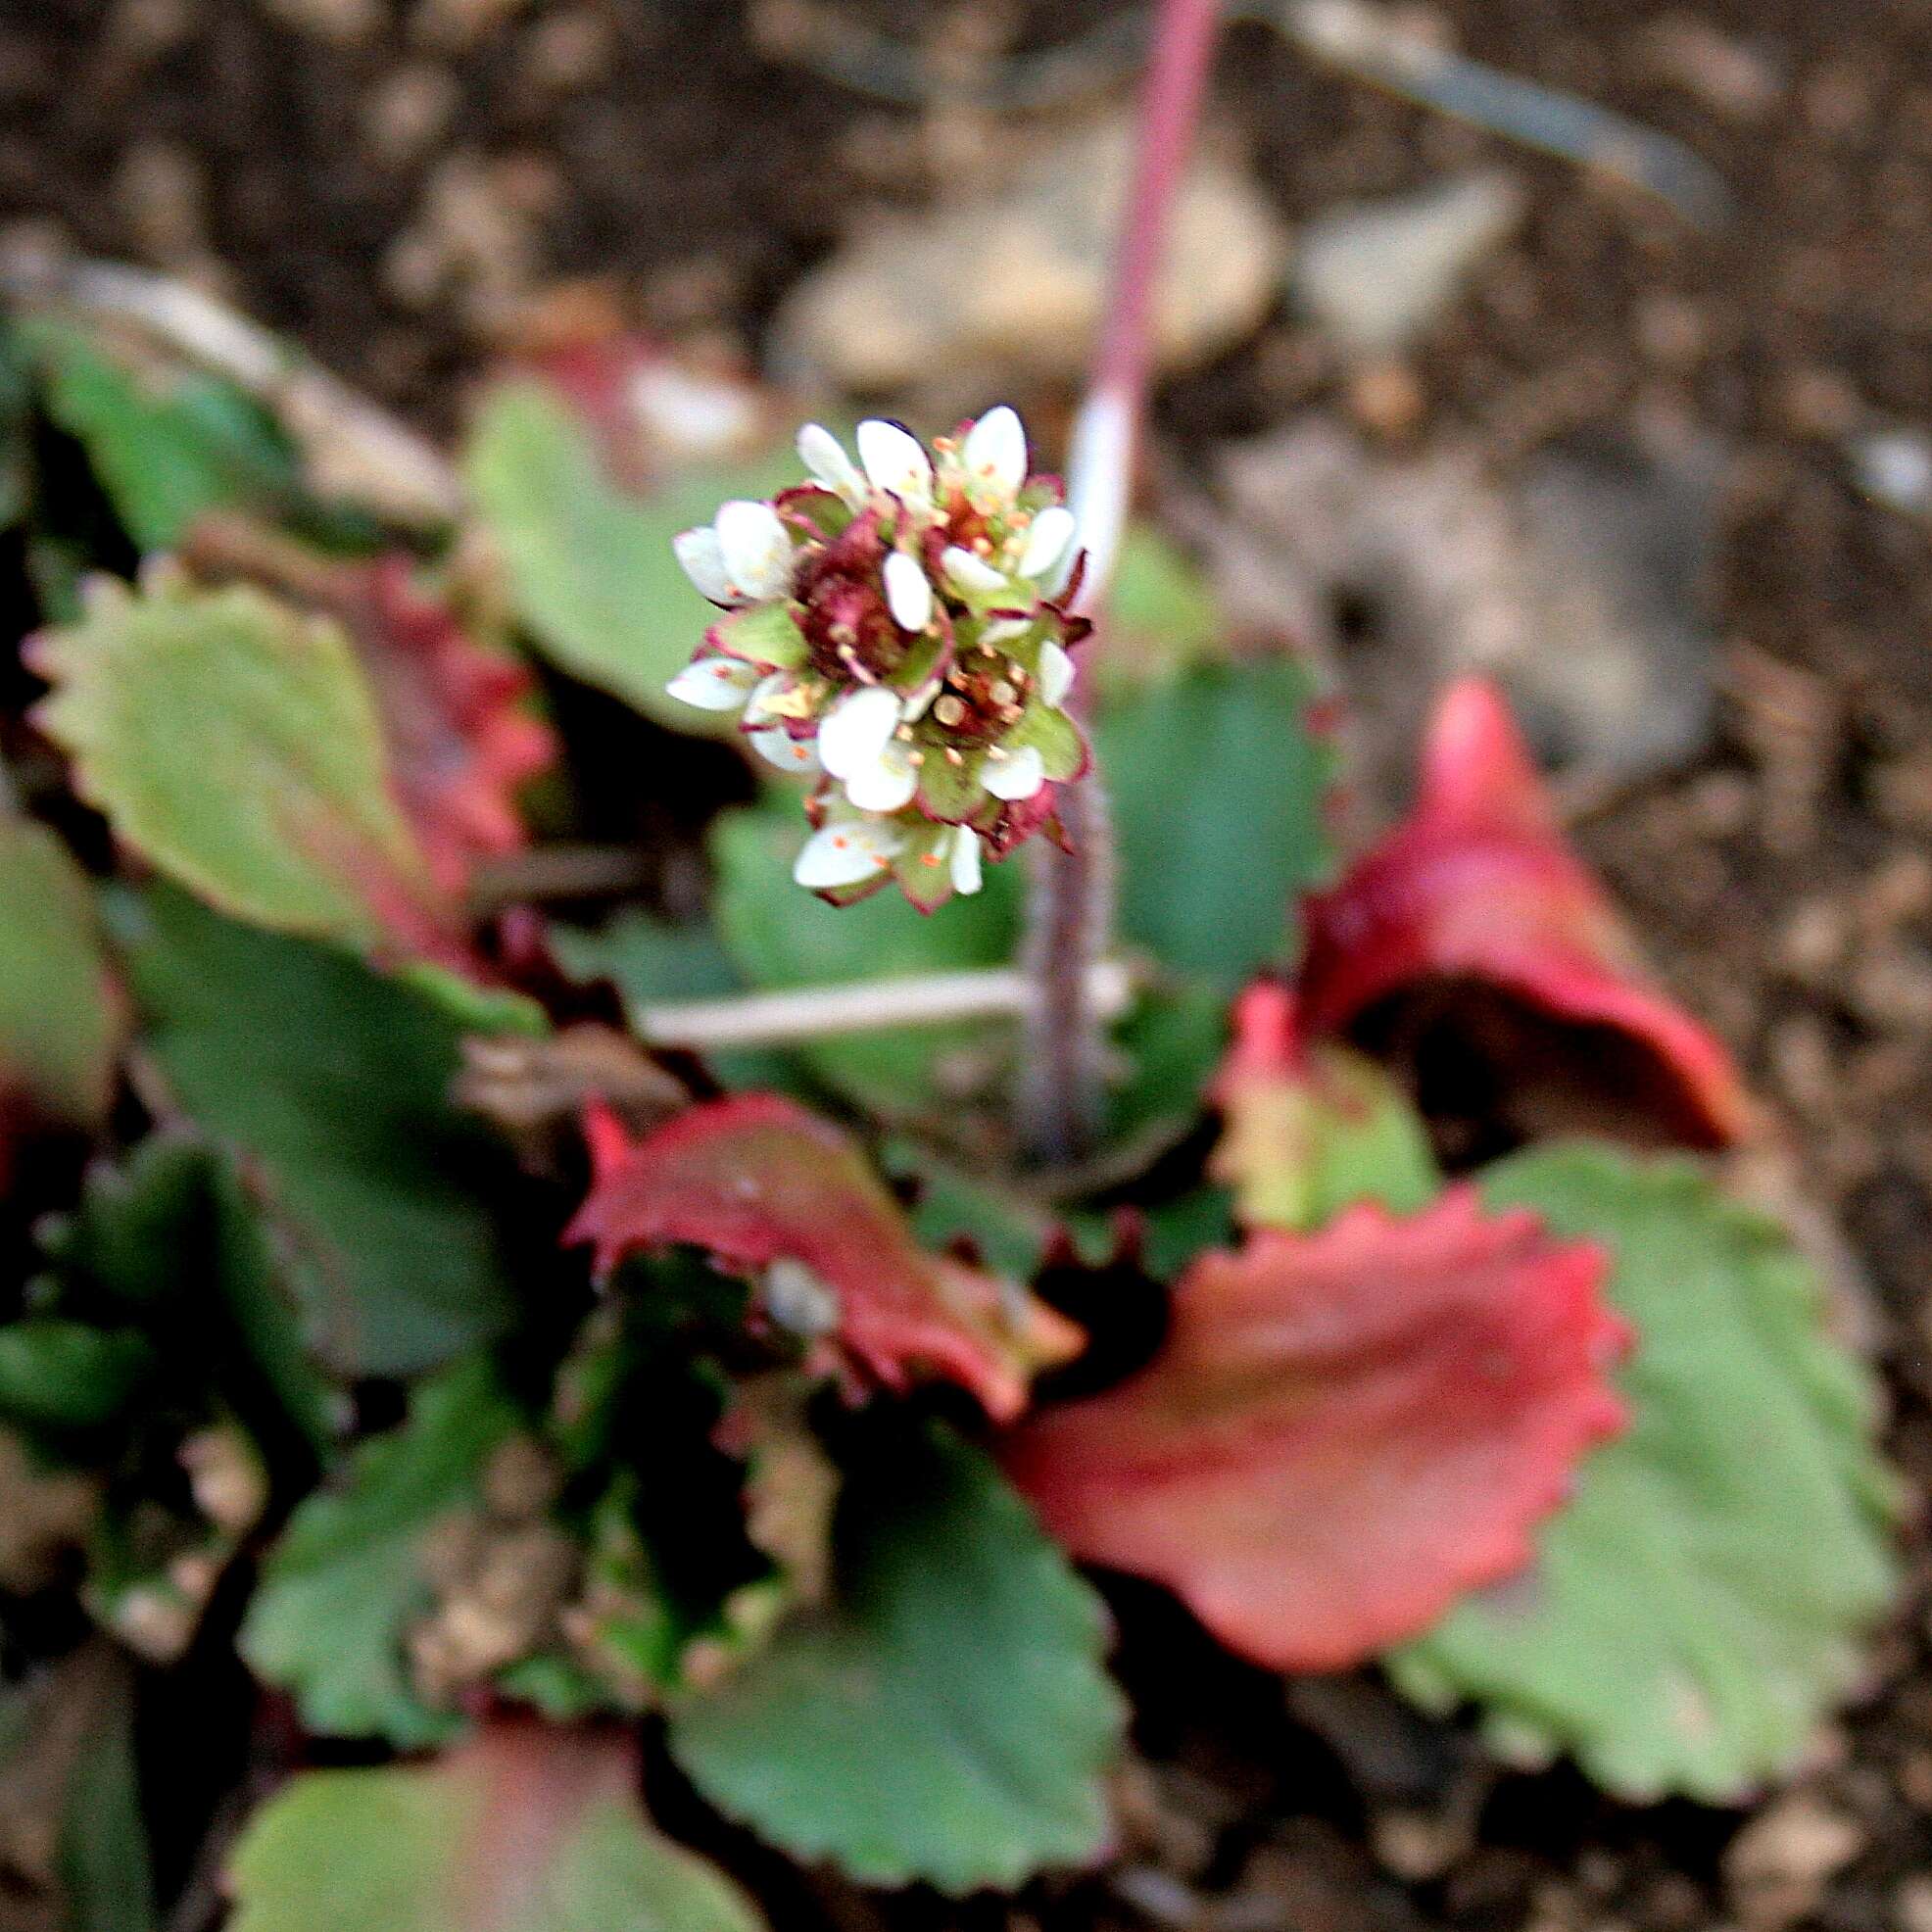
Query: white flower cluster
896, 629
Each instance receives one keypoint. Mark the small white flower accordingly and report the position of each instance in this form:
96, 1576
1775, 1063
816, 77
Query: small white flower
756, 549
1056, 672
963, 861
847, 852
908, 592
825, 457
703, 557
895, 462
1048, 542
886, 784
995, 456
777, 746
969, 572
854, 733
714, 684
1015, 778
779, 694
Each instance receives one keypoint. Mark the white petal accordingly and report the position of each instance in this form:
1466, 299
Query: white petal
970, 572
825, 457
1056, 672
1015, 778
714, 684
894, 461
703, 557
1005, 629
1048, 542
996, 454
965, 860
844, 852
886, 784
777, 746
857, 729
757, 549
908, 592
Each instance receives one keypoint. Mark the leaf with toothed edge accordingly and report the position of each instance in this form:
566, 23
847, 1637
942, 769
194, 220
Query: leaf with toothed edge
755, 1179
945, 1716
1703, 1599
1478, 891
235, 743
1344, 1432
528, 1827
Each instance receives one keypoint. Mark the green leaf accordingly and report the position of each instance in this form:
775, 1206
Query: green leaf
236, 744
59, 1021
781, 935
648, 958
66, 1378
1162, 615
102, 1854
589, 563
1218, 789
168, 446
173, 1241
1702, 1601
945, 1716
527, 1829
330, 1619
332, 1085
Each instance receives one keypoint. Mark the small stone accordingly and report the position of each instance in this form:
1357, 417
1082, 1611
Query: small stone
1778, 1866
344, 23
1386, 397
455, 26
1375, 278
408, 113
1911, 1905
1818, 402
1728, 76
1014, 280
1894, 467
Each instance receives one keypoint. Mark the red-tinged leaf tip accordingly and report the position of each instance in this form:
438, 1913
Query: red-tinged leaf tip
460, 739
605, 1135
755, 1179
1479, 886
1346, 1430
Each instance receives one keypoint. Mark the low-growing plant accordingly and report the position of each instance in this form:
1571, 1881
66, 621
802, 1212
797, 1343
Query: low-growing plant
578, 1343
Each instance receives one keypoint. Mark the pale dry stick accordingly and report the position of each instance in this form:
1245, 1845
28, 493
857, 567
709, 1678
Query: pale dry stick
1363, 41
353, 446
809, 1013
1069, 913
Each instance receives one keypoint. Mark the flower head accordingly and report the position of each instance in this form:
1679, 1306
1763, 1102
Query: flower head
897, 628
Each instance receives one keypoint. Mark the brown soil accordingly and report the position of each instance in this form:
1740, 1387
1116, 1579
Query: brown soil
392, 195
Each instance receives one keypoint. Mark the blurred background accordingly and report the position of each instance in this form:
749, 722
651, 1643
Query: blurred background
1643, 424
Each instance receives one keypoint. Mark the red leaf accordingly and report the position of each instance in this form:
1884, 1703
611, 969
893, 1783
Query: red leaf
1346, 1430
757, 1179
459, 736
1479, 886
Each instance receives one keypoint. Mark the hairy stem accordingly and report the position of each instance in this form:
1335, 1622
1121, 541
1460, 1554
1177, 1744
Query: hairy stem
1071, 910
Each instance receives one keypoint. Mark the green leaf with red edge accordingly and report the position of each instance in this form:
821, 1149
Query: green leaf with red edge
1702, 1600
1308, 1130
61, 1015
527, 1828
461, 736
235, 743
587, 553
757, 1179
1477, 909
945, 1715
1345, 1431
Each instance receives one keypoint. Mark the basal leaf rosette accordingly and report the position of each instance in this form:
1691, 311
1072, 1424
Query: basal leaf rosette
898, 629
